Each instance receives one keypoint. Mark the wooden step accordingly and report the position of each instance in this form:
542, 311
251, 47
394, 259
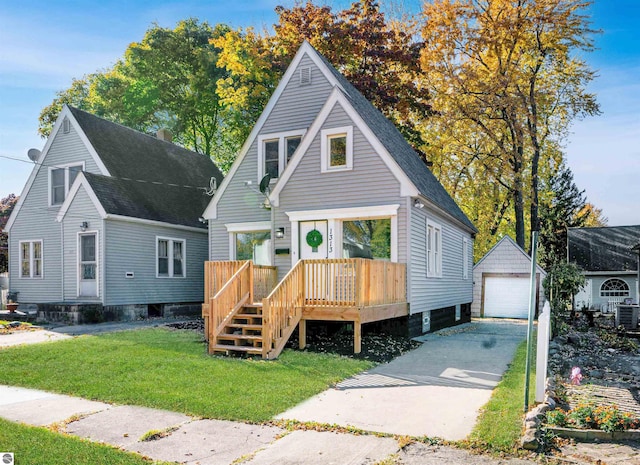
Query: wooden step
239, 337
245, 326
245, 349
247, 316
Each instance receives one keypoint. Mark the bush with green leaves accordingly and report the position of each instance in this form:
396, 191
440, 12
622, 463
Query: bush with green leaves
562, 282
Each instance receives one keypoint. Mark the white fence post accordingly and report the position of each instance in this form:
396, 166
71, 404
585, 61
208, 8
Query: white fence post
542, 352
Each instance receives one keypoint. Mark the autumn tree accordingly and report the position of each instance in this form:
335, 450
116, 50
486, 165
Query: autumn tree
7, 205
378, 56
506, 82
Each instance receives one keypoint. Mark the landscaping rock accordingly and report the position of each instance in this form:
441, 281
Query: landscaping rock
530, 440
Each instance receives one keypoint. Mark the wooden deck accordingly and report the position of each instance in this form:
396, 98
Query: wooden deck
351, 290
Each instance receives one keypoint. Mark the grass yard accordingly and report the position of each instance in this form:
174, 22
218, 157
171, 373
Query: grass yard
499, 426
32, 445
170, 370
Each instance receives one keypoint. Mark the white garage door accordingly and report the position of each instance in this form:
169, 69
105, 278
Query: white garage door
506, 297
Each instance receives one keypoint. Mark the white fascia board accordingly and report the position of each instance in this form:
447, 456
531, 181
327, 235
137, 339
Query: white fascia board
407, 188
81, 180
446, 214
131, 219
252, 226
65, 112
211, 212
373, 211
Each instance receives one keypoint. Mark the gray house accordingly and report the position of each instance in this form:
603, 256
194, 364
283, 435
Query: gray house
609, 263
344, 184
107, 224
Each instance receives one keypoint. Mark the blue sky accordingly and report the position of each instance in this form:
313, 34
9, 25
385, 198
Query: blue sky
44, 45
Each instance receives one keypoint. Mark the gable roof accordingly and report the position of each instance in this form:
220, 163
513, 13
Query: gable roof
130, 154
404, 157
397, 146
605, 248
509, 242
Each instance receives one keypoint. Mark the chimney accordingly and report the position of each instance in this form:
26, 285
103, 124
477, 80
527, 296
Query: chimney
164, 134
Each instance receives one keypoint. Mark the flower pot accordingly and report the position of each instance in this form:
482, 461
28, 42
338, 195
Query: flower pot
12, 307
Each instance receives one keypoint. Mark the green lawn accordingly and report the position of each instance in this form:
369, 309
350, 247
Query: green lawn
499, 426
170, 370
36, 446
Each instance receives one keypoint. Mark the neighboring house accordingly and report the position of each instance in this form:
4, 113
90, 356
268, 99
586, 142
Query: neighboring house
609, 263
107, 225
344, 183
502, 282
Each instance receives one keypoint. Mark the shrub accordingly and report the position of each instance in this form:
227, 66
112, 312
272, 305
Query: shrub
562, 282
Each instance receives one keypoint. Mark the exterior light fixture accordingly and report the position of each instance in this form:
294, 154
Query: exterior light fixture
418, 204
84, 226
279, 233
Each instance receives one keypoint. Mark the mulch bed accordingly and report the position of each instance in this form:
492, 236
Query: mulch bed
336, 339
14, 326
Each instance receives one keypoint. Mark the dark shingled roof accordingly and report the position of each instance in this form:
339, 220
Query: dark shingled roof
406, 157
151, 178
604, 249
159, 202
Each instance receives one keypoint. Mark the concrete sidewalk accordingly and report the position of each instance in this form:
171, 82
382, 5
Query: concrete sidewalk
435, 390
214, 442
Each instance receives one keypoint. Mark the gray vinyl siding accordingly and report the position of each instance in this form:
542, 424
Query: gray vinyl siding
36, 220
431, 293
370, 182
296, 108
132, 247
81, 209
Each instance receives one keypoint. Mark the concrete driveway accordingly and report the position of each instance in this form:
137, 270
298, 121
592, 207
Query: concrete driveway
436, 390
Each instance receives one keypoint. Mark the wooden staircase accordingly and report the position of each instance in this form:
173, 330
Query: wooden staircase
242, 333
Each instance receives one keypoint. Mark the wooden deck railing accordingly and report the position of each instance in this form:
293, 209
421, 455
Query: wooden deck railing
354, 282
237, 292
265, 279
218, 273
282, 310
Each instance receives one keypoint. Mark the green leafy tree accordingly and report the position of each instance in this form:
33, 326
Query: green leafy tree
167, 80
7, 205
562, 206
562, 282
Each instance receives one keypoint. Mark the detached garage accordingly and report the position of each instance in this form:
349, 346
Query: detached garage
501, 281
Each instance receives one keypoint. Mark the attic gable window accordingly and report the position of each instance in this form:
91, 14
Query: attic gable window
336, 147
60, 181
275, 151
66, 126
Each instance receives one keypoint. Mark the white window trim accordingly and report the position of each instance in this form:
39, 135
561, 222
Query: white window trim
332, 216
465, 258
171, 240
325, 162
31, 242
628, 290
78, 252
282, 154
234, 228
67, 187
437, 261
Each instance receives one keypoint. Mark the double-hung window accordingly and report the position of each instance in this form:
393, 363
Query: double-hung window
434, 249
170, 260
60, 180
336, 147
31, 259
275, 151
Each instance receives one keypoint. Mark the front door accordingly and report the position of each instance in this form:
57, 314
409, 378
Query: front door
313, 239
87, 265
